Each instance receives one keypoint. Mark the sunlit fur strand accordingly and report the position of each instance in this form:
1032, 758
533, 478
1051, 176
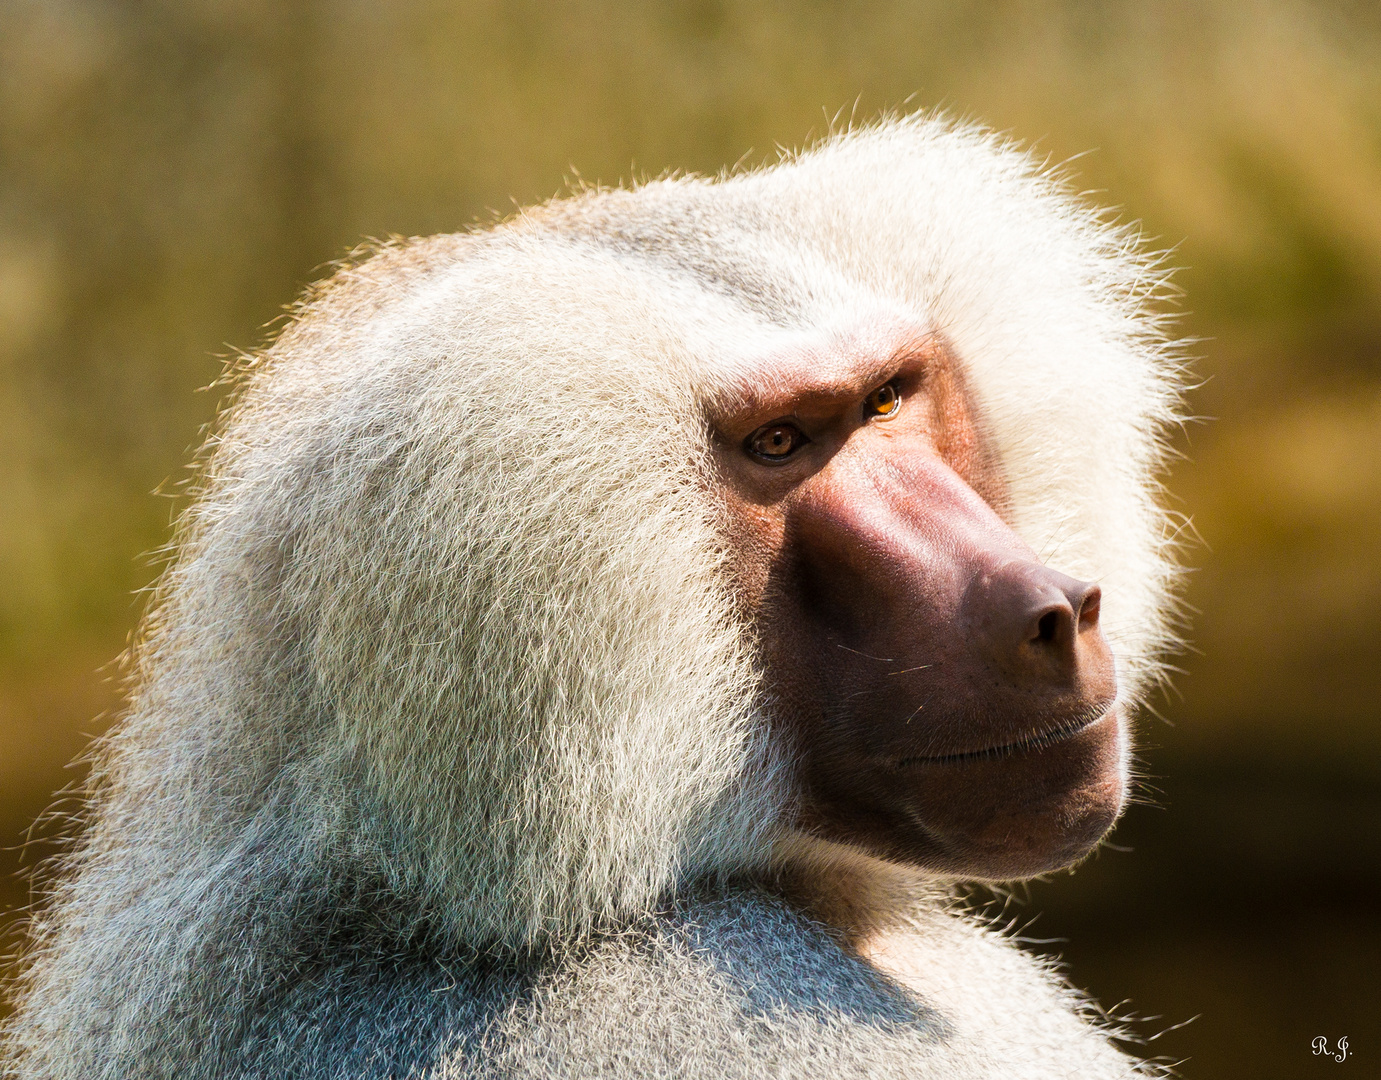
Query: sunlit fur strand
447, 650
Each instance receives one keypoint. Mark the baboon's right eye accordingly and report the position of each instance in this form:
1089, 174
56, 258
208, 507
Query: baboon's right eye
775, 442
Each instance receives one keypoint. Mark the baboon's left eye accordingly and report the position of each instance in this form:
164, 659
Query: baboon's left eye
883, 402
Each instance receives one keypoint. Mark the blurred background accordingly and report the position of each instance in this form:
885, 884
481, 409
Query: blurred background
173, 173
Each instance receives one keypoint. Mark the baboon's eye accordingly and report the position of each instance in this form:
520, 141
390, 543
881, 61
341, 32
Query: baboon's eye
883, 402
775, 442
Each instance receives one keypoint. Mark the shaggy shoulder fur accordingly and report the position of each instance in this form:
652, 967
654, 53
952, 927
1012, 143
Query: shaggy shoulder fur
446, 756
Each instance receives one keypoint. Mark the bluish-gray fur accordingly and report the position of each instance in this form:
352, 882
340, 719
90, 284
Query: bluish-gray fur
687, 992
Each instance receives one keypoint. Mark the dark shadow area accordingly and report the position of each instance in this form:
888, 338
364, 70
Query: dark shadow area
1245, 905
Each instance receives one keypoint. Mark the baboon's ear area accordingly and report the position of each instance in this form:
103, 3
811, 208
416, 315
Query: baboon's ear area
498, 560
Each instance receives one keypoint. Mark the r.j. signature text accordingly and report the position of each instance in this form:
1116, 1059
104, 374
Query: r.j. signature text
1338, 1052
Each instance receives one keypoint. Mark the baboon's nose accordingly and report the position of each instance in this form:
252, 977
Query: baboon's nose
1042, 625
1060, 609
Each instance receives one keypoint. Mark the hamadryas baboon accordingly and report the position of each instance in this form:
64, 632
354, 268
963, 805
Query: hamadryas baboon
600, 644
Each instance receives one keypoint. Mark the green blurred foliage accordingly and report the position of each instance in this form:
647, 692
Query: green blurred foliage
172, 174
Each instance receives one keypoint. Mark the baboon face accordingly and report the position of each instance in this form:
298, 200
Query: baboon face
949, 699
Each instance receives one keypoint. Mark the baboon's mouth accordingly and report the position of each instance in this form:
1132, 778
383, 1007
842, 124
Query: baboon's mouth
1059, 734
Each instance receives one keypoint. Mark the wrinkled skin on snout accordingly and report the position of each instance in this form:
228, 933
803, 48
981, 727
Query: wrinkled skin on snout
950, 700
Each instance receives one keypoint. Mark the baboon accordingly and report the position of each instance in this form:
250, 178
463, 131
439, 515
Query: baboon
602, 645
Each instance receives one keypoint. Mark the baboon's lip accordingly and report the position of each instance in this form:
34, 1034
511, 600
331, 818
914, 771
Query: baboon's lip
1062, 733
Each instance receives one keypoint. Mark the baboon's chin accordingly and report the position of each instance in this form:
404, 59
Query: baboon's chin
1010, 814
